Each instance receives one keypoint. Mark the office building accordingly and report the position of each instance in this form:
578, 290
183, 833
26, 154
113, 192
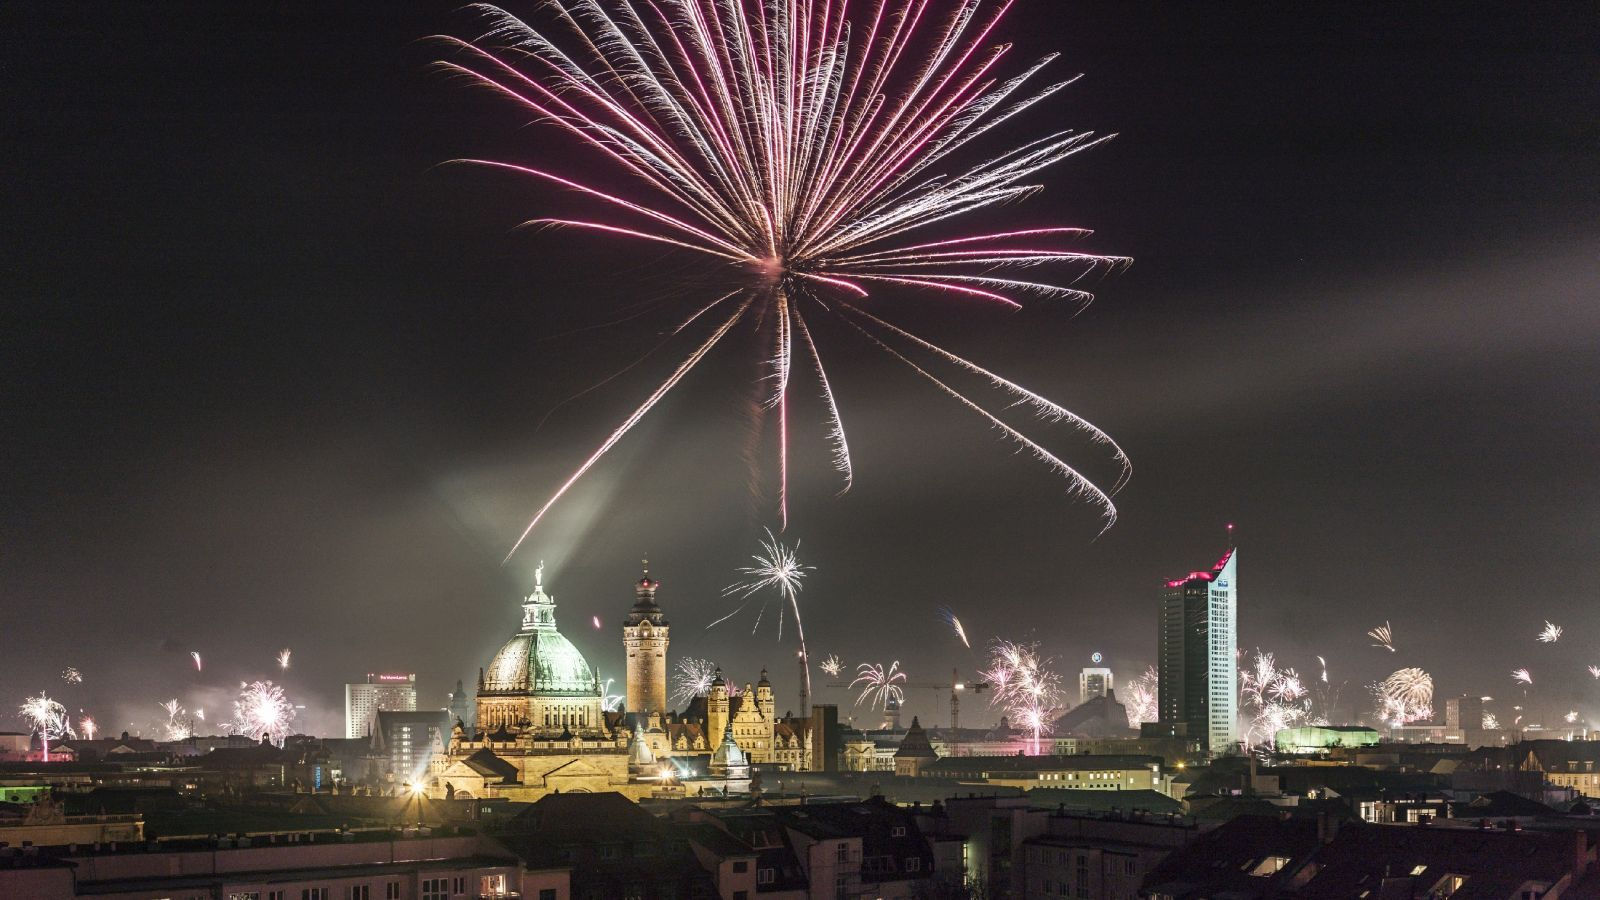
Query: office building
390, 693
1094, 680
1198, 675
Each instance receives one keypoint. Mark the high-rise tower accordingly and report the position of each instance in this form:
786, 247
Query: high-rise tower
644, 635
1198, 676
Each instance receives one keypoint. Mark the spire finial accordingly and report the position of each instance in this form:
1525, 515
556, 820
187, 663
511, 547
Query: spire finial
646, 564
538, 575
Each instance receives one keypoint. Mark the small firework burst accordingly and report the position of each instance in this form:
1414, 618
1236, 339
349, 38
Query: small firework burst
833, 666
1383, 636
879, 685
176, 727
1024, 686
1594, 671
1274, 699
1404, 697
1572, 716
87, 726
195, 655
1489, 722
1522, 676
283, 659
48, 719
1142, 697
694, 677
262, 712
71, 675
778, 568
1550, 634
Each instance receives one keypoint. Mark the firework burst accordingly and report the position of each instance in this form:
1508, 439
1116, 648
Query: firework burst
195, 655
1405, 696
262, 711
777, 569
1489, 723
1142, 698
879, 685
1274, 699
833, 666
48, 719
1594, 672
176, 728
1024, 686
87, 727
1383, 636
794, 150
1550, 634
283, 659
693, 679
71, 675
1522, 676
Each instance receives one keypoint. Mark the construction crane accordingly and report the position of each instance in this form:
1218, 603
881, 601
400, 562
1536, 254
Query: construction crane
955, 686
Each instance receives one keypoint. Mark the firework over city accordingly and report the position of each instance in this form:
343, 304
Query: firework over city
330, 325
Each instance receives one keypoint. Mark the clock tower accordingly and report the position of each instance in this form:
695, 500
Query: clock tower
644, 635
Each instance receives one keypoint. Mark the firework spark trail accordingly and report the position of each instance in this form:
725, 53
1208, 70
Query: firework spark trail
71, 675
1023, 685
595, 620
693, 679
777, 567
1405, 696
1594, 671
1550, 634
195, 655
879, 685
1521, 676
832, 665
283, 659
950, 618
1384, 635
611, 702
1489, 723
1274, 699
1143, 697
1571, 716
48, 719
795, 149
87, 726
262, 711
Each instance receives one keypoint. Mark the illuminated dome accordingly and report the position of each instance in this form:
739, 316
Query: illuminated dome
539, 659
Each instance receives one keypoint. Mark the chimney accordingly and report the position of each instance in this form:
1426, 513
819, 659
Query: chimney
1580, 853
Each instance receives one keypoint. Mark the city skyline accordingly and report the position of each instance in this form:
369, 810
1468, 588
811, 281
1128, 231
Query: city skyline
288, 386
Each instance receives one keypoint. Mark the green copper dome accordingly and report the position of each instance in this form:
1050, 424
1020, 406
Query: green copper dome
539, 659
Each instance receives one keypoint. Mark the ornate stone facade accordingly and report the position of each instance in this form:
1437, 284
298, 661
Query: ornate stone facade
645, 638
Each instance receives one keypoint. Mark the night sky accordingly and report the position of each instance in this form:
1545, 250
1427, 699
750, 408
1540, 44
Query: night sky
273, 377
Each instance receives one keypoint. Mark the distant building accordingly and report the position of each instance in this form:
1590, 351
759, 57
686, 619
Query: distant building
409, 741
1094, 681
1198, 674
362, 700
1321, 738
1101, 716
645, 637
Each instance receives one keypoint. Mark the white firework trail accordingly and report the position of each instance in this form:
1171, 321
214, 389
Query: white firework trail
950, 618
283, 659
195, 655
1594, 671
1550, 634
176, 727
1522, 676
87, 726
1274, 699
1383, 635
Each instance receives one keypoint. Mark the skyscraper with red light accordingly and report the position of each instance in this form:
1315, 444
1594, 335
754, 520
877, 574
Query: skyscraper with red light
1198, 671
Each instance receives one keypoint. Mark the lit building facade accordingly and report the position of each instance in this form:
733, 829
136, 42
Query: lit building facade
645, 637
1094, 680
1198, 674
390, 693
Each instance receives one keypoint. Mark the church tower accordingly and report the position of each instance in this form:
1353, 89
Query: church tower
644, 635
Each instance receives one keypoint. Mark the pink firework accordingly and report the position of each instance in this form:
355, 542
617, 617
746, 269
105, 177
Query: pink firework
812, 151
1023, 686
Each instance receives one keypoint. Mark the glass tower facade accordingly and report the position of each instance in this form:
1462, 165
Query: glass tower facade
1198, 674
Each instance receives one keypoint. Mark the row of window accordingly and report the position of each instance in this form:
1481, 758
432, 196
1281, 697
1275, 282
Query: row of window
432, 889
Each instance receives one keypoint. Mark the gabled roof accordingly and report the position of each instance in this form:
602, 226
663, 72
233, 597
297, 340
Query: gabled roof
487, 764
915, 745
1362, 855
1220, 862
